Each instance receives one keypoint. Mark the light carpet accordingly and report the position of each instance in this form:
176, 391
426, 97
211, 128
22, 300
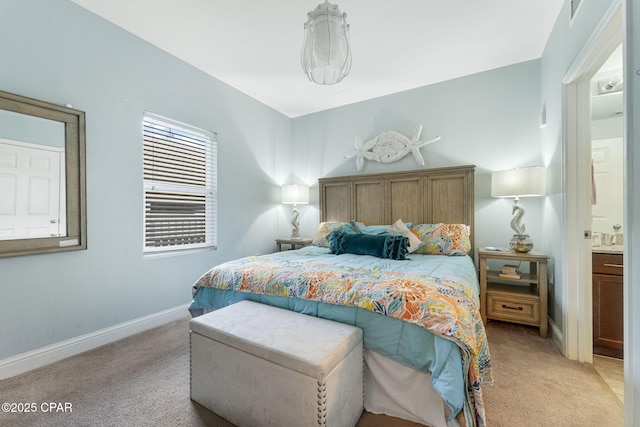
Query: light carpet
144, 381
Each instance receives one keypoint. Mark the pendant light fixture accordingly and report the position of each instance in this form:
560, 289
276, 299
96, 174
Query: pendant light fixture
326, 54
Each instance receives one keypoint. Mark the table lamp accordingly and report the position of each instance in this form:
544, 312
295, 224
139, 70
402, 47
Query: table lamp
516, 183
295, 194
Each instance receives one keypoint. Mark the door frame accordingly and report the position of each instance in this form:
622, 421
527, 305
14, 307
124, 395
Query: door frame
577, 286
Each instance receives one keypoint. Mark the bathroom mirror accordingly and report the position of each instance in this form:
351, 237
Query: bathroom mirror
42, 177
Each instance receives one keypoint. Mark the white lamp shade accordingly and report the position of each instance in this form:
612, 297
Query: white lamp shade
519, 182
295, 194
326, 55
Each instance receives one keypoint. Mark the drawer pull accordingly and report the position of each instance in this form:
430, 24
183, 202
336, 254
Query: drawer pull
614, 265
519, 308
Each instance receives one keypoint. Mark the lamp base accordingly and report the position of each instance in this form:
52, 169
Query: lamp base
521, 243
295, 231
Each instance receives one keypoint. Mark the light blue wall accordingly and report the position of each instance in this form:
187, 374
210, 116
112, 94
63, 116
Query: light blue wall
58, 52
489, 119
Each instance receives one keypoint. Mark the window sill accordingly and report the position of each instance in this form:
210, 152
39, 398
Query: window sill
171, 253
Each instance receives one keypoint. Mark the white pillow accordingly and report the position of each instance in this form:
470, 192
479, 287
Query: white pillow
401, 227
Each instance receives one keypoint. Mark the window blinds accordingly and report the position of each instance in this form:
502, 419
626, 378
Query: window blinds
180, 185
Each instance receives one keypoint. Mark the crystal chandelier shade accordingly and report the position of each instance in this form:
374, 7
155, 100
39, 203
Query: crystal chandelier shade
326, 54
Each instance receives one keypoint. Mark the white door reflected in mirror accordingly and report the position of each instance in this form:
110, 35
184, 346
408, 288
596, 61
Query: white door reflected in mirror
32, 191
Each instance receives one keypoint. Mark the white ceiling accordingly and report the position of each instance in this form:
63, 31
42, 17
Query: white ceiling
254, 45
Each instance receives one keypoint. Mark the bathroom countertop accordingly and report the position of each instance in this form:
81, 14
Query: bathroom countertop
613, 249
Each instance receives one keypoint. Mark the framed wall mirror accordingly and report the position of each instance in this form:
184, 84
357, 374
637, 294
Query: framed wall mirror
42, 177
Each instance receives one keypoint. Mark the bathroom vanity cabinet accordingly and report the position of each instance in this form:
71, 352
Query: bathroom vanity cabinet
607, 269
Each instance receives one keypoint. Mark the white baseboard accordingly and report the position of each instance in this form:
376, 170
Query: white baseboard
556, 336
30, 360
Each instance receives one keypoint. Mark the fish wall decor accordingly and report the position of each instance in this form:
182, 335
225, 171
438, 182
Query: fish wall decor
389, 146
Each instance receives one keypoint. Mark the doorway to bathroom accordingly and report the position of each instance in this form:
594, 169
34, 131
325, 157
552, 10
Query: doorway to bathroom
607, 206
577, 292
579, 173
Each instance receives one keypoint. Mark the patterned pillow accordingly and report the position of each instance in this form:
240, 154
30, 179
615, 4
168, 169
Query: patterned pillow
323, 230
401, 227
443, 239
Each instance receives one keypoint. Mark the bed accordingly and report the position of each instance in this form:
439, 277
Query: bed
426, 355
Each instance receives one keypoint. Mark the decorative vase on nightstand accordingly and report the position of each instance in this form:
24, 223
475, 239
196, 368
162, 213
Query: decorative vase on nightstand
521, 243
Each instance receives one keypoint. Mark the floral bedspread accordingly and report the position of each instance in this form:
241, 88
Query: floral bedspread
443, 307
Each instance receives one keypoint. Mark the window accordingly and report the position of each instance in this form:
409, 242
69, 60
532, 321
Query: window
179, 186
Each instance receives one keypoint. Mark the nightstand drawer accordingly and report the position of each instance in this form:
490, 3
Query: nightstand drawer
509, 307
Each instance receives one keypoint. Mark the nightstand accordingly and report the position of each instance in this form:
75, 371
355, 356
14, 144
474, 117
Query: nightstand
293, 243
518, 300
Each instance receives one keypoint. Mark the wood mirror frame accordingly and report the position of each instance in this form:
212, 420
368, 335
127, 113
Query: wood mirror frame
75, 237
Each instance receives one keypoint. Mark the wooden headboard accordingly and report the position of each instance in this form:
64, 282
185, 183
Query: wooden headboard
426, 196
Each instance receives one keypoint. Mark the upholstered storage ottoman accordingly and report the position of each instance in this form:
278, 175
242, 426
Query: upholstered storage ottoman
258, 365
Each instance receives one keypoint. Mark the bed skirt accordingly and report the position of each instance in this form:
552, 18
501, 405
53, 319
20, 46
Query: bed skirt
399, 391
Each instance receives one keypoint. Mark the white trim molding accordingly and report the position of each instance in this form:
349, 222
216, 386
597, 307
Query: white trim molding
632, 215
556, 334
30, 360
